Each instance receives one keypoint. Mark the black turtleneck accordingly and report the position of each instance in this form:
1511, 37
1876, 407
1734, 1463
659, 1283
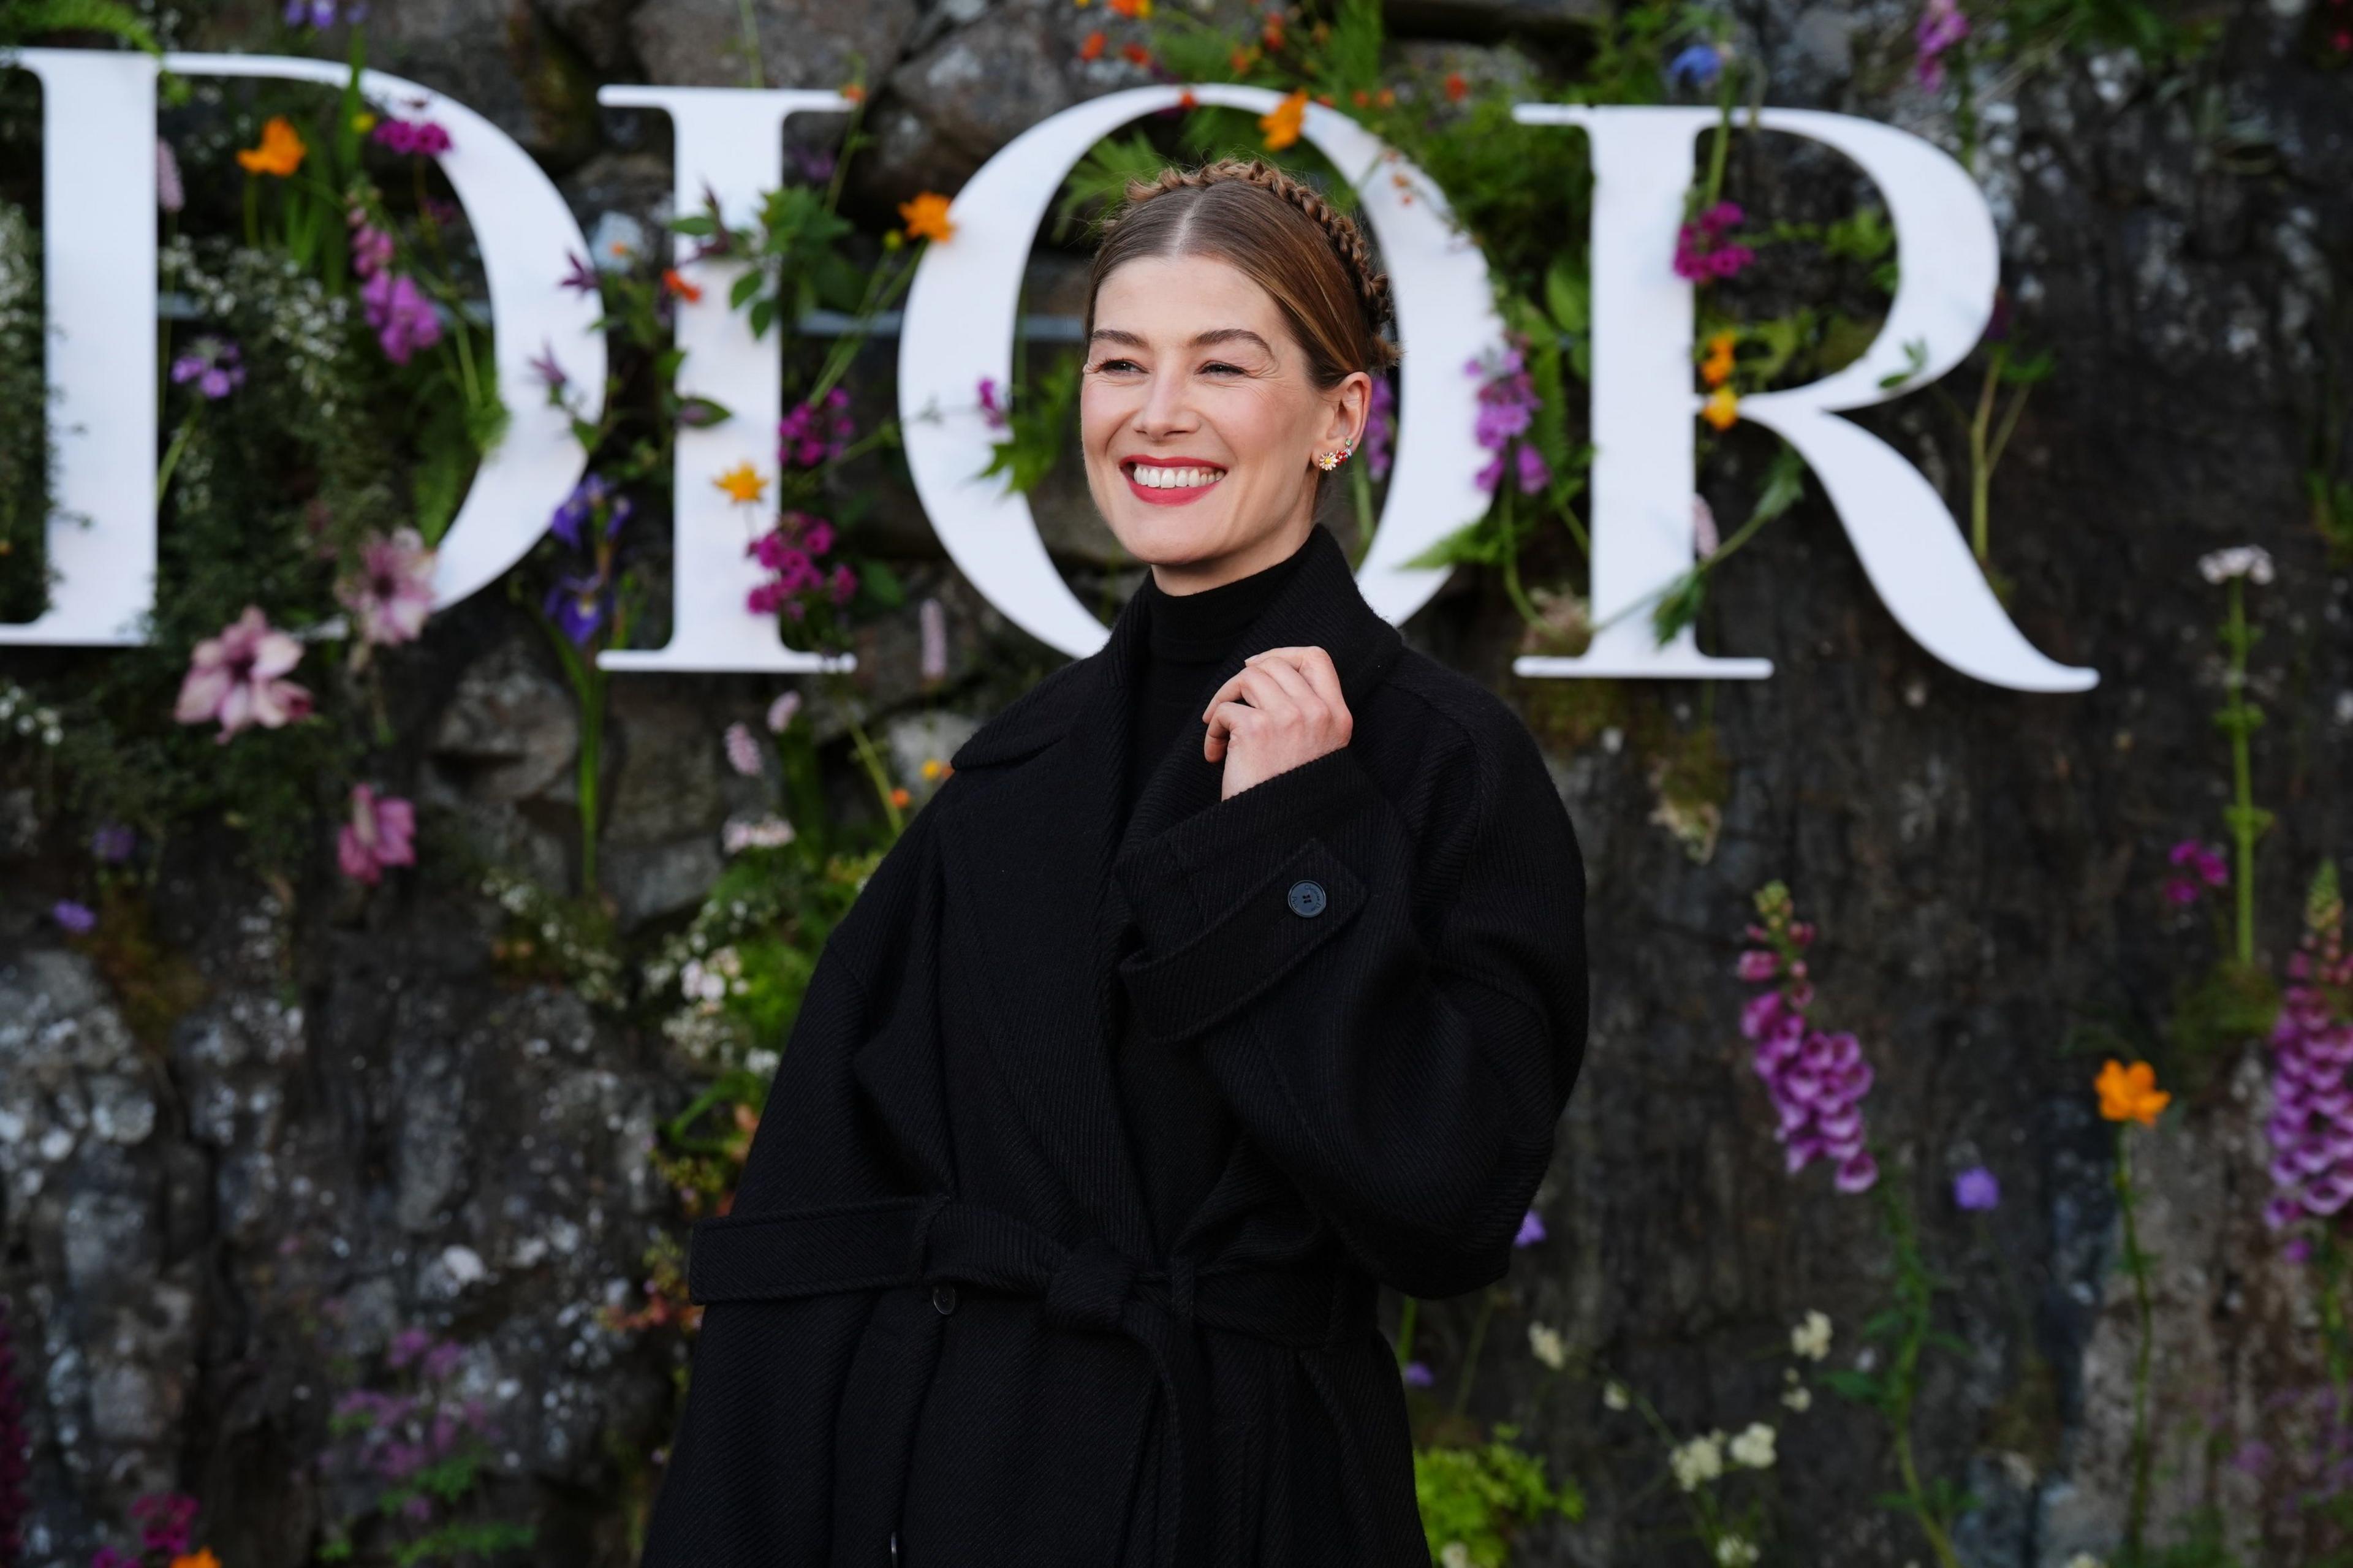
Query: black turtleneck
1186, 637
1177, 1122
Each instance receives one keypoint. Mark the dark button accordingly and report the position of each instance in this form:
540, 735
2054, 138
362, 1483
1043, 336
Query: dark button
1306, 898
944, 1298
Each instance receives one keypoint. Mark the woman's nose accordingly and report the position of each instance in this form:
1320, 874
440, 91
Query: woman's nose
1164, 407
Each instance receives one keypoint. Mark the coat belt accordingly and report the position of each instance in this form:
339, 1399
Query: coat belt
1090, 1286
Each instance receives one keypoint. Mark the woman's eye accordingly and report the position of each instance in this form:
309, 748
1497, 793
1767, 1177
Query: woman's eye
1233, 369
1114, 364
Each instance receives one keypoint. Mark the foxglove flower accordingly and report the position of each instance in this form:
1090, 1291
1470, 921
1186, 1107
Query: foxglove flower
171, 192
781, 711
742, 751
1941, 25
1815, 1078
1380, 428
393, 591
381, 832
1507, 406
2311, 1124
403, 317
238, 678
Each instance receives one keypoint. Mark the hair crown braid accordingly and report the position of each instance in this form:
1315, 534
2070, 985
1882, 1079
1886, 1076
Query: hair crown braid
1334, 296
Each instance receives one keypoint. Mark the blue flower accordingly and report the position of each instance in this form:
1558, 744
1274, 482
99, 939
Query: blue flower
1696, 68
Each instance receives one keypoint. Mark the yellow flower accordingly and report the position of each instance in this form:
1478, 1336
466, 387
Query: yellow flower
1281, 123
743, 483
204, 1559
363, 122
1722, 409
2130, 1093
280, 151
1716, 369
927, 216
931, 767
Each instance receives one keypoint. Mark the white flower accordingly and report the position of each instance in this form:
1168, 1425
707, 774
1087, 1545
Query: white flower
2085, 1559
1454, 1555
760, 1063
1811, 1339
768, 831
1613, 1394
1703, 530
1754, 1446
2250, 560
1550, 1348
1735, 1550
1700, 1459
618, 240
1799, 1397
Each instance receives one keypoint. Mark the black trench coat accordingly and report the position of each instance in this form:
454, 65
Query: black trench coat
939, 1331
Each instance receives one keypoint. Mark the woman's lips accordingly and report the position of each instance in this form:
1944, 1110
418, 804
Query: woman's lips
1174, 496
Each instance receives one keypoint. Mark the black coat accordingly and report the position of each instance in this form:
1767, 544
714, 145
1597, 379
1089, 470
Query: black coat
939, 1331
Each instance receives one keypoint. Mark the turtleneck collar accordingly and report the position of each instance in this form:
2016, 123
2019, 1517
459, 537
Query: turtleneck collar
1203, 625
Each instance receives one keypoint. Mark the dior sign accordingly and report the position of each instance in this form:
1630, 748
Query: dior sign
99, 128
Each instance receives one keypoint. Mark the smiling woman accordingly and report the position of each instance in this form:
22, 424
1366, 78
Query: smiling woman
1236, 971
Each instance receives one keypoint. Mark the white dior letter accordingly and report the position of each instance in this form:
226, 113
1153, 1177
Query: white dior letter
1643, 401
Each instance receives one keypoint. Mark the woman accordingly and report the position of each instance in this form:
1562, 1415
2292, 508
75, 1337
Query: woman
1102, 1122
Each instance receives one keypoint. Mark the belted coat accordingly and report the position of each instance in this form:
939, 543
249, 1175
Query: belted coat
939, 1330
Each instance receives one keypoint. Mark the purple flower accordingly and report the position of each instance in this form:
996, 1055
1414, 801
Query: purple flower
372, 248
2311, 1123
2200, 867
808, 436
408, 1345
171, 194
992, 410
236, 678
169, 1519
381, 832
1976, 1190
403, 317
1380, 428
214, 363
439, 1362
1941, 25
815, 164
549, 371
75, 917
1507, 405
592, 495
1532, 1230
578, 605
1695, 68
742, 751
420, 137
113, 841
1533, 471
1815, 1078
1418, 1375
582, 278
1702, 251
933, 619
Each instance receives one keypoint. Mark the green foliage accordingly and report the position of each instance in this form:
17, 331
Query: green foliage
23, 21
1483, 1495
26, 463
1099, 183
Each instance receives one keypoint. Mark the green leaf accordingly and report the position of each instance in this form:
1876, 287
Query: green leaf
694, 225
1679, 607
1568, 295
763, 314
740, 292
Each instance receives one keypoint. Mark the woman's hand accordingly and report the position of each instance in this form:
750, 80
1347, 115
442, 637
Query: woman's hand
1293, 714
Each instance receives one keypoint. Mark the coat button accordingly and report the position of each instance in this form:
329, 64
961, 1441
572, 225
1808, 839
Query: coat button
1307, 897
944, 1298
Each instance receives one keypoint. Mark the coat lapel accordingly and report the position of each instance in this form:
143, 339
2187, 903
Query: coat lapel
1033, 875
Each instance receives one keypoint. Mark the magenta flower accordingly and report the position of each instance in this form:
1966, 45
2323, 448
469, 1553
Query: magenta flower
391, 592
381, 832
236, 678
1701, 249
992, 409
1507, 405
781, 711
742, 751
2201, 866
790, 550
809, 436
403, 317
1815, 1078
1941, 25
421, 137
168, 1518
214, 363
1976, 1190
372, 248
2311, 1125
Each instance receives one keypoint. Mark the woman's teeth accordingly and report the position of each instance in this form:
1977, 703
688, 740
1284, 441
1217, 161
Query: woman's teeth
1175, 479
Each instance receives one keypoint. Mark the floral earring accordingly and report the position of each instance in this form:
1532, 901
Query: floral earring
1327, 461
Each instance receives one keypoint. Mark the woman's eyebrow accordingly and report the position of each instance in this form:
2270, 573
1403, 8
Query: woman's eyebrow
1200, 340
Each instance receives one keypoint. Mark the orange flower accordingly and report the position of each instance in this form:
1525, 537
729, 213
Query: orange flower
677, 284
1241, 60
204, 1559
1281, 123
1273, 31
1186, 99
1325, 99
1386, 98
1139, 9
1093, 47
280, 152
743, 483
2129, 1093
1136, 54
854, 91
1456, 88
1722, 409
1360, 97
927, 216
899, 797
1716, 369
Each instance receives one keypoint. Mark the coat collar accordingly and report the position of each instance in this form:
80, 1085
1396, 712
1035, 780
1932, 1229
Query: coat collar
1053, 834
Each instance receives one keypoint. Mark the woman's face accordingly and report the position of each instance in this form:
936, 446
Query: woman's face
1193, 381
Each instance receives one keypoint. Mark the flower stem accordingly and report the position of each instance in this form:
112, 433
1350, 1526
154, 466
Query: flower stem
1471, 1351
1406, 1316
172, 454
2136, 1264
2239, 718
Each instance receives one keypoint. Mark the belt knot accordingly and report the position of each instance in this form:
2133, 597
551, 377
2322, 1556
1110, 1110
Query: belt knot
1089, 1287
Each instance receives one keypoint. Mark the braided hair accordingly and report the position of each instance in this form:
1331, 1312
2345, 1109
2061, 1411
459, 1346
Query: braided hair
1307, 254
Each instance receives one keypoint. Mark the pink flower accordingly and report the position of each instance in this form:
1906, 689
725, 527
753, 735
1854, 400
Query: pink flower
1941, 25
371, 247
743, 753
235, 678
393, 591
403, 319
381, 833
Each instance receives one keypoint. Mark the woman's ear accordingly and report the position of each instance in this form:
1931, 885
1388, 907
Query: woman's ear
1351, 405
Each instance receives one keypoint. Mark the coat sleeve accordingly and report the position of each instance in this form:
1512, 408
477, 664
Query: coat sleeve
1404, 1050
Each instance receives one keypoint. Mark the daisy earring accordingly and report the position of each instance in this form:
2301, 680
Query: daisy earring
1327, 461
